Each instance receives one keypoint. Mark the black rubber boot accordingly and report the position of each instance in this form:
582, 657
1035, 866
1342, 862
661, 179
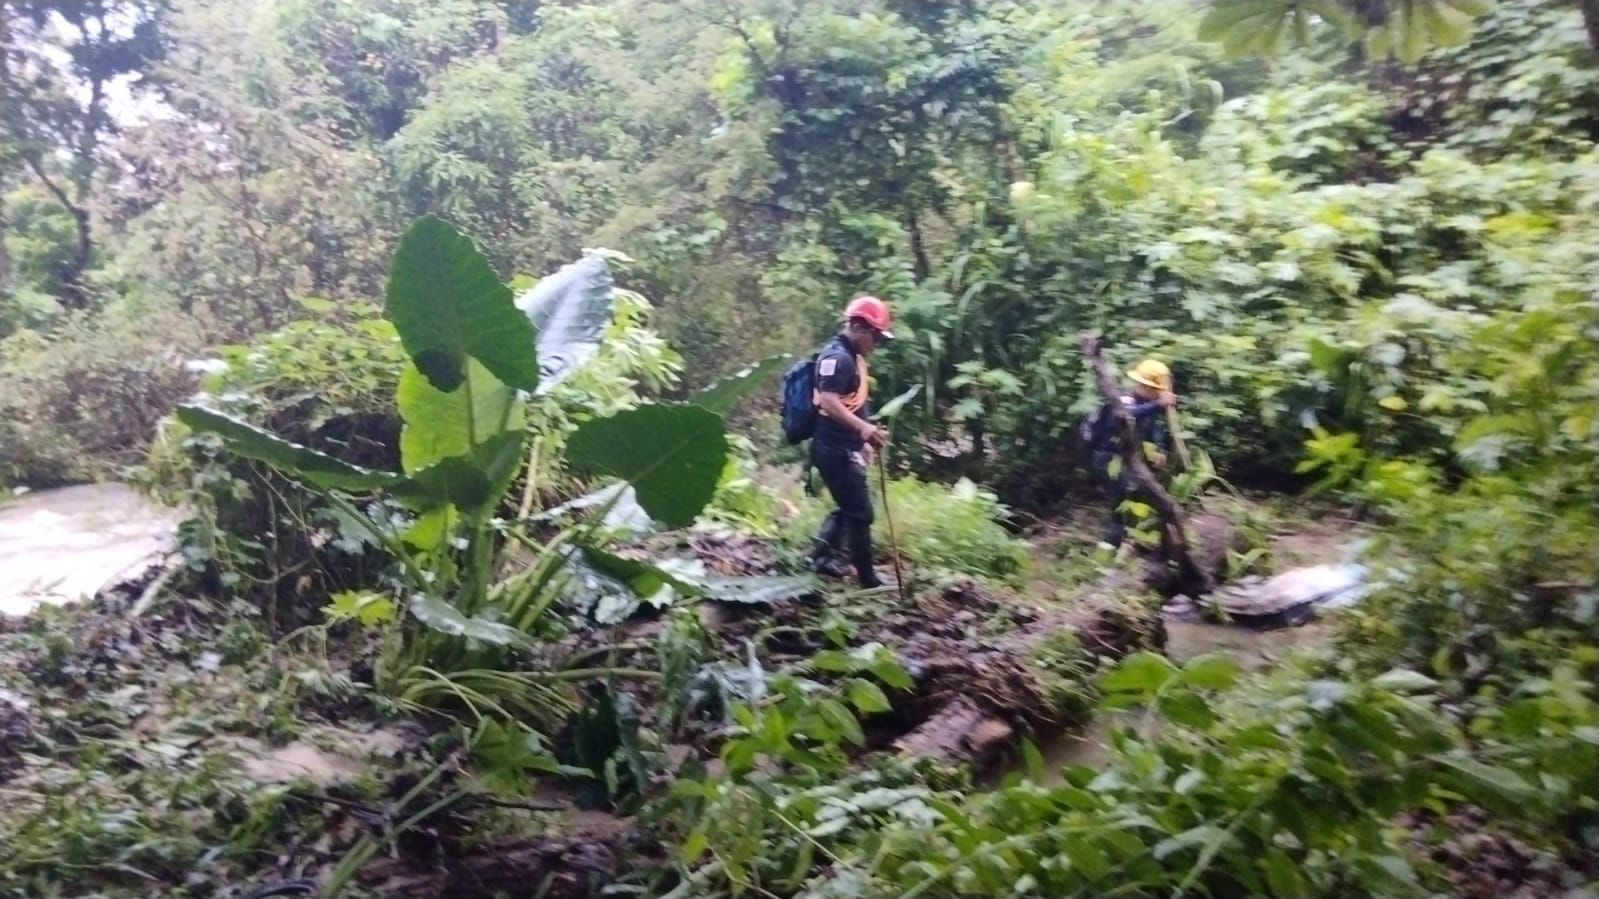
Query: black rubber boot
826, 561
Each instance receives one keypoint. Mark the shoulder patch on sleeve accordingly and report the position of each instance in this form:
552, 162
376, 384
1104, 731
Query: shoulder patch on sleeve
827, 366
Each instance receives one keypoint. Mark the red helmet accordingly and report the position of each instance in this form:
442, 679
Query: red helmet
872, 311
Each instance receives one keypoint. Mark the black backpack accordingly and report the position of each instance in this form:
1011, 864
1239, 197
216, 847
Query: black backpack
1097, 430
798, 397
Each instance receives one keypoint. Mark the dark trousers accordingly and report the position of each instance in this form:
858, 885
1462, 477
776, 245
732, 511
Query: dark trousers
1117, 487
851, 523
1121, 490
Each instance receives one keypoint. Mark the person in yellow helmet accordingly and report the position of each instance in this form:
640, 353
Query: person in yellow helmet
1148, 400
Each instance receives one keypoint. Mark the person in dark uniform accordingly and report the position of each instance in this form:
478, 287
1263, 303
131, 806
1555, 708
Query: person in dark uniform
1147, 403
844, 440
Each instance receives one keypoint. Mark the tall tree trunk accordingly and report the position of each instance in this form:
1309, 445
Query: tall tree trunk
5, 115
923, 267
75, 293
1590, 18
5, 257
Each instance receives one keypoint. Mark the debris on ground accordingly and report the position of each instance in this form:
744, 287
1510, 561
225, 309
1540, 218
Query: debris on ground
1291, 598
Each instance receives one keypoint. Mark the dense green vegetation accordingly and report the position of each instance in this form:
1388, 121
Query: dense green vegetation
435, 319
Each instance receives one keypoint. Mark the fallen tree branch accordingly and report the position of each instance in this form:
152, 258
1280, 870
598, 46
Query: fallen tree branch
1171, 516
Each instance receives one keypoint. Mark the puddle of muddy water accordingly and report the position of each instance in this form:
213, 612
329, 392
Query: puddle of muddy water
301, 760
58, 546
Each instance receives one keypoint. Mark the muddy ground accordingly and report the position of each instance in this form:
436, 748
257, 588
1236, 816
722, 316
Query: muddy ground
188, 752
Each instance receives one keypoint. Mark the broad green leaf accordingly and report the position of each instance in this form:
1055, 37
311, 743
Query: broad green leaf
1282, 874
1187, 781
447, 619
302, 462
672, 454
431, 528
1085, 854
1226, 15
1412, 32
1448, 26
1036, 770
694, 846
571, 310
1485, 441
1337, 13
1521, 720
833, 660
1473, 7
723, 396
1401, 680
1378, 41
447, 305
1213, 671
363, 606
1396, 867
842, 720
1187, 709
644, 578
1501, 783
466, 483
893, 407
505, 756
891, 672
1142, 673
443, 425
758, 590
618, 500
612, 587
1204, 835
868, 697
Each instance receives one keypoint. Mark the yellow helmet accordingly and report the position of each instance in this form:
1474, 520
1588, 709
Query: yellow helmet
1151, 373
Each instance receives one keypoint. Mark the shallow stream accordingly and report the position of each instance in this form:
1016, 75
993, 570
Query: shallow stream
58, 546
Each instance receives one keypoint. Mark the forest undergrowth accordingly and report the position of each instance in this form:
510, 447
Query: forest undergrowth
453, 330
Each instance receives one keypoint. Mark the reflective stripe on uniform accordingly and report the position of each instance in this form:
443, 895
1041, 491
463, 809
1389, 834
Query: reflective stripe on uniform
856, 399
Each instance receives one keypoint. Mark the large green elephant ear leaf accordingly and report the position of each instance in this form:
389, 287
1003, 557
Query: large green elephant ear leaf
300, 462
570, 309
722, 396
440, 425
671, 453
448, 305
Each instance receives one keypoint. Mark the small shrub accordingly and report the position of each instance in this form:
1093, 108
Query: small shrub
83, 400
954, 529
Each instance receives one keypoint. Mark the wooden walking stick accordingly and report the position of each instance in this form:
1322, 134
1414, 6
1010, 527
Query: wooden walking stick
888, 517
1177, 438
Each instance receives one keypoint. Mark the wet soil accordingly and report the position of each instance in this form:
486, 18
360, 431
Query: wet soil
1313, 543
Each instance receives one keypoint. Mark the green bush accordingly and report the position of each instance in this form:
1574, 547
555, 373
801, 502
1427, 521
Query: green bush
85, 399
953, 529
326, 381
1282, 787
